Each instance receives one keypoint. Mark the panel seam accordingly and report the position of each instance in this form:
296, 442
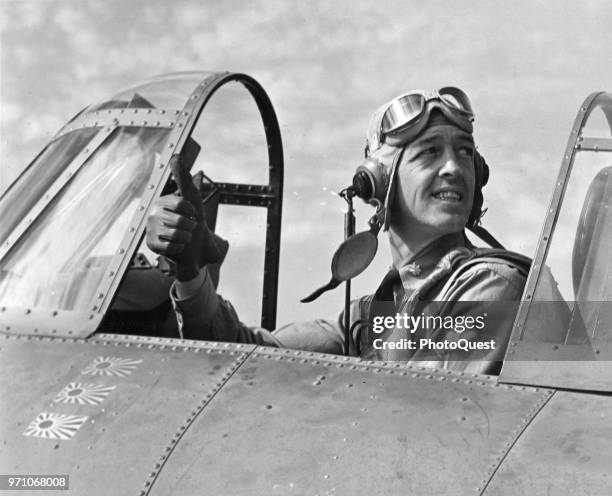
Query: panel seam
515, 437
150, 481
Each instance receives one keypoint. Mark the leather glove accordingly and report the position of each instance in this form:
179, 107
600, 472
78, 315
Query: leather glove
176, 226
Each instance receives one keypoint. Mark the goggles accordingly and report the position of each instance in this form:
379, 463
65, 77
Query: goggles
401, 120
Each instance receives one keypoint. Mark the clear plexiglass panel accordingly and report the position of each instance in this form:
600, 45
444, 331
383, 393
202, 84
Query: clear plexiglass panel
169, 91
58, 263
571, 305
39, 176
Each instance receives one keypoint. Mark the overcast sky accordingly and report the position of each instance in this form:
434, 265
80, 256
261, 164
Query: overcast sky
527, 66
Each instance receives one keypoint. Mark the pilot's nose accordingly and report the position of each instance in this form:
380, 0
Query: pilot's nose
450, 164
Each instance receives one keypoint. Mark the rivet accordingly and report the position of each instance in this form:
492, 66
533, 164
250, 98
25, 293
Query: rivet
28, 311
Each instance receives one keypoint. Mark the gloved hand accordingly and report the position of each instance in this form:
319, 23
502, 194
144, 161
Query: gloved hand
176, 226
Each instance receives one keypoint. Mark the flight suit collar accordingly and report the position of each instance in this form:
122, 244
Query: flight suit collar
423, 263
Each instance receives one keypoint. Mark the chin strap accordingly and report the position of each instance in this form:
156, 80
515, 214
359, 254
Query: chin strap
486, 236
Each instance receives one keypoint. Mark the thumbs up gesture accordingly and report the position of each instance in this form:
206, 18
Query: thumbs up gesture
176, 226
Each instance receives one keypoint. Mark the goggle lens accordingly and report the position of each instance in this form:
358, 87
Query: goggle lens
401, 111
456, 99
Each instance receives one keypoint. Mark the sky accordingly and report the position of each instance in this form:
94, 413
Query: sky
526, 65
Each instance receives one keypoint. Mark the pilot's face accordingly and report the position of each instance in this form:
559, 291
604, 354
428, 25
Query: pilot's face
435, 183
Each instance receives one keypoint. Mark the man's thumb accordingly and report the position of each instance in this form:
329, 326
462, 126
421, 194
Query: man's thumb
186, 184
181, 175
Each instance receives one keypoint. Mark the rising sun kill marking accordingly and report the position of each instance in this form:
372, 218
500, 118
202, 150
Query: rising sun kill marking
55, 426
83, 394
111, 366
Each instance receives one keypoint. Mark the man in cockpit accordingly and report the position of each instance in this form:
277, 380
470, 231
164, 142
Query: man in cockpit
444, 303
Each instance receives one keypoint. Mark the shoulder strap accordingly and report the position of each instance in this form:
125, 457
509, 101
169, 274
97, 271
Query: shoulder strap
488, 255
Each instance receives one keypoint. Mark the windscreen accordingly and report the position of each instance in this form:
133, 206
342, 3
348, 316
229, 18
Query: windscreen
564, 337
59, 262
571, 302
169, 91
39, 176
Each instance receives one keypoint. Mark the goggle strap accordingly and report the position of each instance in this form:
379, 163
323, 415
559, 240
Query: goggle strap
390, 188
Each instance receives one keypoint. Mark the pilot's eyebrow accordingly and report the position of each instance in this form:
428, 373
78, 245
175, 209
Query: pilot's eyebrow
467, 138
426, 140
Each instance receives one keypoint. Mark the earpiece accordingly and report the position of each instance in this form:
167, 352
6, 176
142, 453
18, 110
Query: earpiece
371, 180
482, 177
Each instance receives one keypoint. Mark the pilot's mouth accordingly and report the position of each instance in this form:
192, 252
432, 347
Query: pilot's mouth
451, 196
